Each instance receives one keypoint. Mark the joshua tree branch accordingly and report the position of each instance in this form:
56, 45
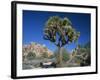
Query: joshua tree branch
65, 43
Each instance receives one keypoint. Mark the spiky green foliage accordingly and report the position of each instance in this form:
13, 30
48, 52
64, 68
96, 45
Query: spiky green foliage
60, 31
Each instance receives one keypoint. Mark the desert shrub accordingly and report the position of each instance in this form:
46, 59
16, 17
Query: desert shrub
85, 59
45, 55
31, 55
65, 55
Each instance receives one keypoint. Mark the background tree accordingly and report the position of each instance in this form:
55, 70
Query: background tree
81, 55
86, 54
60, 32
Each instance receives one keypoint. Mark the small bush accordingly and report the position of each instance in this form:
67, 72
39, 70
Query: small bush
65, 55
31, 55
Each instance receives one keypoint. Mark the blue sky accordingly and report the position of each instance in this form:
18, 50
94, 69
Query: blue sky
34, 23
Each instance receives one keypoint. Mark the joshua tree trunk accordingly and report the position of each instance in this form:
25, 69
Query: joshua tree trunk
59, 57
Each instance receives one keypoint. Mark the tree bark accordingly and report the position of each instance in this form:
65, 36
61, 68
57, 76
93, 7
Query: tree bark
59, 57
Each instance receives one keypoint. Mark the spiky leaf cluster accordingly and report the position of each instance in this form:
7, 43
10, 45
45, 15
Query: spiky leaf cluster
60, 31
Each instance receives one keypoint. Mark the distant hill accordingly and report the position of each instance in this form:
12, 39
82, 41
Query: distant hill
38, 49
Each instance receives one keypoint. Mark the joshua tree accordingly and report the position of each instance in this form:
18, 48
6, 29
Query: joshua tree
60, 32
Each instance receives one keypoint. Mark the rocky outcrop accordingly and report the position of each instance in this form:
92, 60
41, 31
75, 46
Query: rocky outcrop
36, 48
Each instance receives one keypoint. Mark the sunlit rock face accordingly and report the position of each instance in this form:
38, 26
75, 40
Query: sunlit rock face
36, 48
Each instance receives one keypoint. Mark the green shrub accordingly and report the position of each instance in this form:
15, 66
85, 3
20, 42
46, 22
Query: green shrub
65, 55
31, 55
